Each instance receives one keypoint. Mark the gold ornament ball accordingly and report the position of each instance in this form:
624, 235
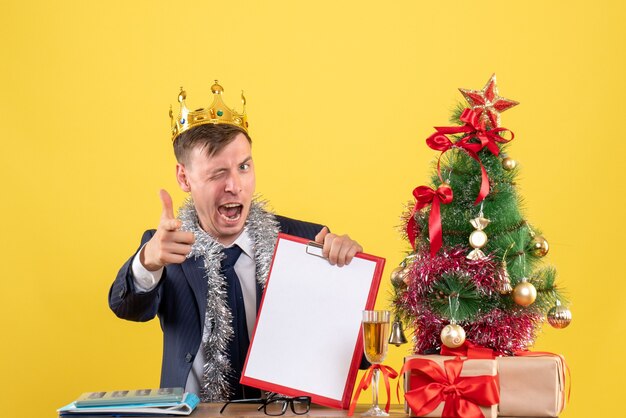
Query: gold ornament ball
524, 293
453, 336
397, 276
478, 239
540, 246
559, 317
509, 163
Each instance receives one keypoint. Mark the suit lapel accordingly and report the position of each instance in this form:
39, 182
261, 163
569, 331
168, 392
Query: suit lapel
194, 272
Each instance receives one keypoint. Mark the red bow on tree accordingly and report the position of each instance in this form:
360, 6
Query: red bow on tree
462, 396
424, 196
474, 129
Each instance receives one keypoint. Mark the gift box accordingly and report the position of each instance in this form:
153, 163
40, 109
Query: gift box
437, 386
531, 385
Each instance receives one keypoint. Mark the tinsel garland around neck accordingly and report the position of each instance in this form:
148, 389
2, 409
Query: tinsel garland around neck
262, 228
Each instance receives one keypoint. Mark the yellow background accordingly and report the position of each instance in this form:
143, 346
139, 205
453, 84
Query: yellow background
341, 96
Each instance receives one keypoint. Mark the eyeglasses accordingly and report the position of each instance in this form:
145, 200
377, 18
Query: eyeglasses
276, 405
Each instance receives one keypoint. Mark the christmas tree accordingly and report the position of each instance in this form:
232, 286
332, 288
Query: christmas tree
475, 270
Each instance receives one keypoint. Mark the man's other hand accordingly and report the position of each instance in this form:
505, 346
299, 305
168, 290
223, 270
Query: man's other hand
338, 249
168, 245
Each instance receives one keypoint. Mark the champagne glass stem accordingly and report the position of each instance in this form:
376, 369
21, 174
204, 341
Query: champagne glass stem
375, 389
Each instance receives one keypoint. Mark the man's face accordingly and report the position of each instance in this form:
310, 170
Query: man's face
221, 186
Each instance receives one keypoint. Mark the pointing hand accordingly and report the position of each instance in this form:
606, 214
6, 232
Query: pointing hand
168, 245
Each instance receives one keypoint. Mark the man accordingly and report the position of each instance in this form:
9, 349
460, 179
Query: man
203, 273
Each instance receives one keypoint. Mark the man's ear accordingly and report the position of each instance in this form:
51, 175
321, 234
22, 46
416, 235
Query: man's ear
181, 177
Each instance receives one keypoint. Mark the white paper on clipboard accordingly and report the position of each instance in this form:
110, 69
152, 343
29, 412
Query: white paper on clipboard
307, 339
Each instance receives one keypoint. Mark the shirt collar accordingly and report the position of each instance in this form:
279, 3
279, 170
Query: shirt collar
245, 243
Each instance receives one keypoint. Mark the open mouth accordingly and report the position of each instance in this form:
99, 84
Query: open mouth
230, 211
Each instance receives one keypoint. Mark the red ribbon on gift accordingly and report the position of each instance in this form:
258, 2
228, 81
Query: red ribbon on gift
474, 128
366, 381
469, 350
425, 196
462, 396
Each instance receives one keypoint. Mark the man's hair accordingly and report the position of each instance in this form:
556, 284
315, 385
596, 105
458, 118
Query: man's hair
210, 137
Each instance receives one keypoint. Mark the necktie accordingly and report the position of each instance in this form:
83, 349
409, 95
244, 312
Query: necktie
238, 347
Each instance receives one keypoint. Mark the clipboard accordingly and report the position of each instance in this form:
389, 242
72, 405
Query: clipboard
308, 339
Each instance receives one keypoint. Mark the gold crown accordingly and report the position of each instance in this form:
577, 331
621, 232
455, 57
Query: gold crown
217, 113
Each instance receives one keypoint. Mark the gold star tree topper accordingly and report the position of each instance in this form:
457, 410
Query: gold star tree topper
487, 103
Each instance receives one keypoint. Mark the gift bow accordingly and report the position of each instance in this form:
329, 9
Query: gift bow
474, 129
431, 385
366, 381
424, 196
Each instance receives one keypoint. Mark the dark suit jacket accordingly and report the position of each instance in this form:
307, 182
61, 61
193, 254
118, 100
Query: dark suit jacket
180, 302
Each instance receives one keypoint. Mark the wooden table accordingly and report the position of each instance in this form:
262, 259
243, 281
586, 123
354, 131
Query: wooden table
212, 410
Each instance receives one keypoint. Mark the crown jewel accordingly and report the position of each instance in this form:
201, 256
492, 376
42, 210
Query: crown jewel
216, 113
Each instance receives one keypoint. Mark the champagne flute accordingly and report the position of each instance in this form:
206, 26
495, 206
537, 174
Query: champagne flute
375, 336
